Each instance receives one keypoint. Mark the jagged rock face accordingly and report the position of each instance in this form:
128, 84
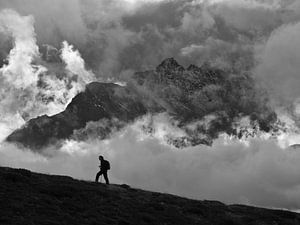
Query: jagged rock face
169, 65
98, 101
170, 73
187, 95
174, 85
193, 93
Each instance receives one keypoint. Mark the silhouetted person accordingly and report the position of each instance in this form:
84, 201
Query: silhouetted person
104, 167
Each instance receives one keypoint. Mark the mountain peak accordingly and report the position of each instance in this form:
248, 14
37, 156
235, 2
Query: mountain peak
169, 64
192, 67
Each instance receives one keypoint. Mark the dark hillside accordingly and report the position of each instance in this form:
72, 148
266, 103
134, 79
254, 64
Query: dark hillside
31, 198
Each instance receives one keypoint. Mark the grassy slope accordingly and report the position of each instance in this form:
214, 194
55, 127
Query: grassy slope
30, 198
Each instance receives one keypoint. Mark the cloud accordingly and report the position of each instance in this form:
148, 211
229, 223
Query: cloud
196, 20
28, 87
19, 71
56, 20
236, 55
19, 75
279, 63
188, 50
75, 64
121, 35
248, 15
117, 36
118, 39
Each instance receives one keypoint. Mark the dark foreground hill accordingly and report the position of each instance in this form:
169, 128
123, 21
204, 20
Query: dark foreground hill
31, 198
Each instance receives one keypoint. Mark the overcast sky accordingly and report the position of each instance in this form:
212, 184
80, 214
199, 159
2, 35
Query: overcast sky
109, 39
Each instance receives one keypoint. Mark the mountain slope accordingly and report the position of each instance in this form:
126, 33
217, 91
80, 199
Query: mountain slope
32, 198
98, 101
204, 101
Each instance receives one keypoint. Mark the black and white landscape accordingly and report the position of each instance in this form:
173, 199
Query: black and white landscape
198, 98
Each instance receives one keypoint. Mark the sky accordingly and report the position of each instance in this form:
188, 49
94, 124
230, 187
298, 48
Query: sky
107, 40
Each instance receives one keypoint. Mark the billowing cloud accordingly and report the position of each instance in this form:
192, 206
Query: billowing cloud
236, 55
55, 20
120, 35
28, 88
257, 16
197, 19
279, 62
19, 71
75, 64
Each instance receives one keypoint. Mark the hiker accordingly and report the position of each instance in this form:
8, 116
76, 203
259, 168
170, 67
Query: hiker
104, 167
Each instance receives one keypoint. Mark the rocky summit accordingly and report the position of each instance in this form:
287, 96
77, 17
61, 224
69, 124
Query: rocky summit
98, 101
188, 95
39, 199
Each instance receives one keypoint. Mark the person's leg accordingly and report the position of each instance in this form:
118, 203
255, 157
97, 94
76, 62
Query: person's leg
105, 177
97, 176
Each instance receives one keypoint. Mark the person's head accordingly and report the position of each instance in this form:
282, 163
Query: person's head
101, 157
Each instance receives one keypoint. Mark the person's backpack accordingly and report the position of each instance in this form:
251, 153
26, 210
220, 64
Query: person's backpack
106, 165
